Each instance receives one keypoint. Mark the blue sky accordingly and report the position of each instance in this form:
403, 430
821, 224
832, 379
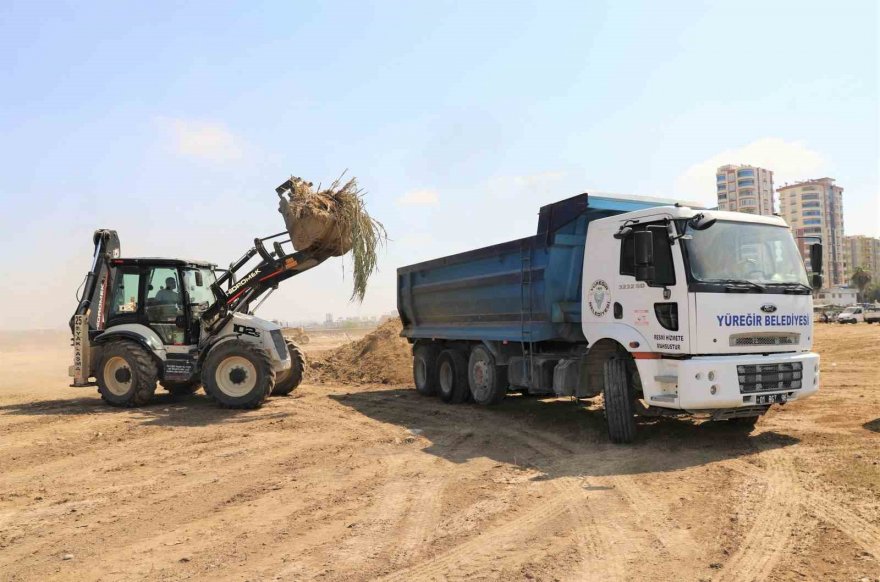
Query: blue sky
173, 124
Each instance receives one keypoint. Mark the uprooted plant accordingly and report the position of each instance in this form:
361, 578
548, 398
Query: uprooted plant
335, 221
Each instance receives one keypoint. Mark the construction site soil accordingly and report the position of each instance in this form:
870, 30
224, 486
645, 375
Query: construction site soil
357, 477
380, 357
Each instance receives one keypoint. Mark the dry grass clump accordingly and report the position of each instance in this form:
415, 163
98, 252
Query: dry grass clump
334, 221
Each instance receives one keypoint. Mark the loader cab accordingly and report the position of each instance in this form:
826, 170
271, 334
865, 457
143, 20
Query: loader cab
166, 295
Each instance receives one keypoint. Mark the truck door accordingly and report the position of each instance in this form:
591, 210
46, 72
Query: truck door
654, 299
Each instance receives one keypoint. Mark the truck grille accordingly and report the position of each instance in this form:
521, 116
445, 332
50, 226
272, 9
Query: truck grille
765, 339
766, 377
280, 345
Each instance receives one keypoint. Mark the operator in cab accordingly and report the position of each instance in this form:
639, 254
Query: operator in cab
168, 295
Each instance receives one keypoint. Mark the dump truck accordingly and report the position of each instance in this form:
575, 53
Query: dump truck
663, 308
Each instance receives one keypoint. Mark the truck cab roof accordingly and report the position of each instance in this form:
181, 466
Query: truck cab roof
637, 207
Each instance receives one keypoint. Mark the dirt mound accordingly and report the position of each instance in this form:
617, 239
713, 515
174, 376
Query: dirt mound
380, 357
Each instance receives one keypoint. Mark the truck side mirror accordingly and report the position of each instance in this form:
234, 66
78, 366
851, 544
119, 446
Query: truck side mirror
817, 281
644, 254
816, 258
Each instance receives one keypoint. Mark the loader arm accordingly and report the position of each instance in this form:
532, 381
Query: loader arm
274, 267
97, 280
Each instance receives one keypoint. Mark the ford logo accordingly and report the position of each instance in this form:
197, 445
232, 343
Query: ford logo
768, 308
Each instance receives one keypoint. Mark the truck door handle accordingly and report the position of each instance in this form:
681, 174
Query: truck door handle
618, 310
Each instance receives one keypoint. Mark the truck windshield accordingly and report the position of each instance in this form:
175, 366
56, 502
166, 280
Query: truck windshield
743, 251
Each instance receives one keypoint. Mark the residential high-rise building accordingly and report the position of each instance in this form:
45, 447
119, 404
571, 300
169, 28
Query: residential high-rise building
862, 251
814, 209
745, 189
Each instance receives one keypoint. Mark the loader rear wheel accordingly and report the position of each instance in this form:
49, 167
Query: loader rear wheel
126, 374
425, 359
619, 412
488, 382
287, 381
452, 376
181, 388
238, 374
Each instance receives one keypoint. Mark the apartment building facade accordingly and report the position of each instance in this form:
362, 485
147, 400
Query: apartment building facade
745, 189
862, 251
814, 210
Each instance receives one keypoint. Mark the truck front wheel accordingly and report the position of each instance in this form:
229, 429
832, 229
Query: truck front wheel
619, 412
238, 374
487, 382
425, 359
452, 374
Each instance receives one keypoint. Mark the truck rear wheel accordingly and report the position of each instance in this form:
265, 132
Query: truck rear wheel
425, 360
619, 413
487, 382
126, 374
287, 381
238, 374
452, 375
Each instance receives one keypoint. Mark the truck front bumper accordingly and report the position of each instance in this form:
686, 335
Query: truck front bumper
705, 383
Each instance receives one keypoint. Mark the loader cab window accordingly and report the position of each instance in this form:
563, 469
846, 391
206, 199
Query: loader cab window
124, 299
164, 303
198, 286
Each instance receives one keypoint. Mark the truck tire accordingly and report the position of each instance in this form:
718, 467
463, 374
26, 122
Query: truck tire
452, 376
126, 374
425, 359
238, 374
619, 413
287, 381
181, 388
487, 382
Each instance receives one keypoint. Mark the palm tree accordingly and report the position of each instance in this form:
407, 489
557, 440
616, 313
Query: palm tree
860, 279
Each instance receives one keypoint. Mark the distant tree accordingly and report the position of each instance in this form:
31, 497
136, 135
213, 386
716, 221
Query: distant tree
860, 280
872, 293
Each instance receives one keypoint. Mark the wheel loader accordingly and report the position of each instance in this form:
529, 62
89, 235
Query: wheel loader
183, 324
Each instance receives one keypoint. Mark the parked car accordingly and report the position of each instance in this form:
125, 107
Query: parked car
872, 315
852, 314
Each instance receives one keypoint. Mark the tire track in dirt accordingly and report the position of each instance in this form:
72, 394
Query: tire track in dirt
770, 532
857, 528
425, 511
600, 560
473, 554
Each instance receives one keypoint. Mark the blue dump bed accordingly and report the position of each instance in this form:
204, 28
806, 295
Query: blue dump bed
525, 290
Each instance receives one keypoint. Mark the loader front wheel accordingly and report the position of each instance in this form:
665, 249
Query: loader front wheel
619, 410
126, 375
238, 374
287, 381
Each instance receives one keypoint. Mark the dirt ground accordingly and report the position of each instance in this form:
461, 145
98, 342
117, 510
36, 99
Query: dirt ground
363, 482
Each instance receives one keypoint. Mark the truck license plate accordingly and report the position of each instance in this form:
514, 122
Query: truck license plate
769, 398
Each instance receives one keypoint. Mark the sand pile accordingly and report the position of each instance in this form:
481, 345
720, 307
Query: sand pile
381, 357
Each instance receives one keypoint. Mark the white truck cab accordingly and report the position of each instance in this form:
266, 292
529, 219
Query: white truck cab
714, 307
